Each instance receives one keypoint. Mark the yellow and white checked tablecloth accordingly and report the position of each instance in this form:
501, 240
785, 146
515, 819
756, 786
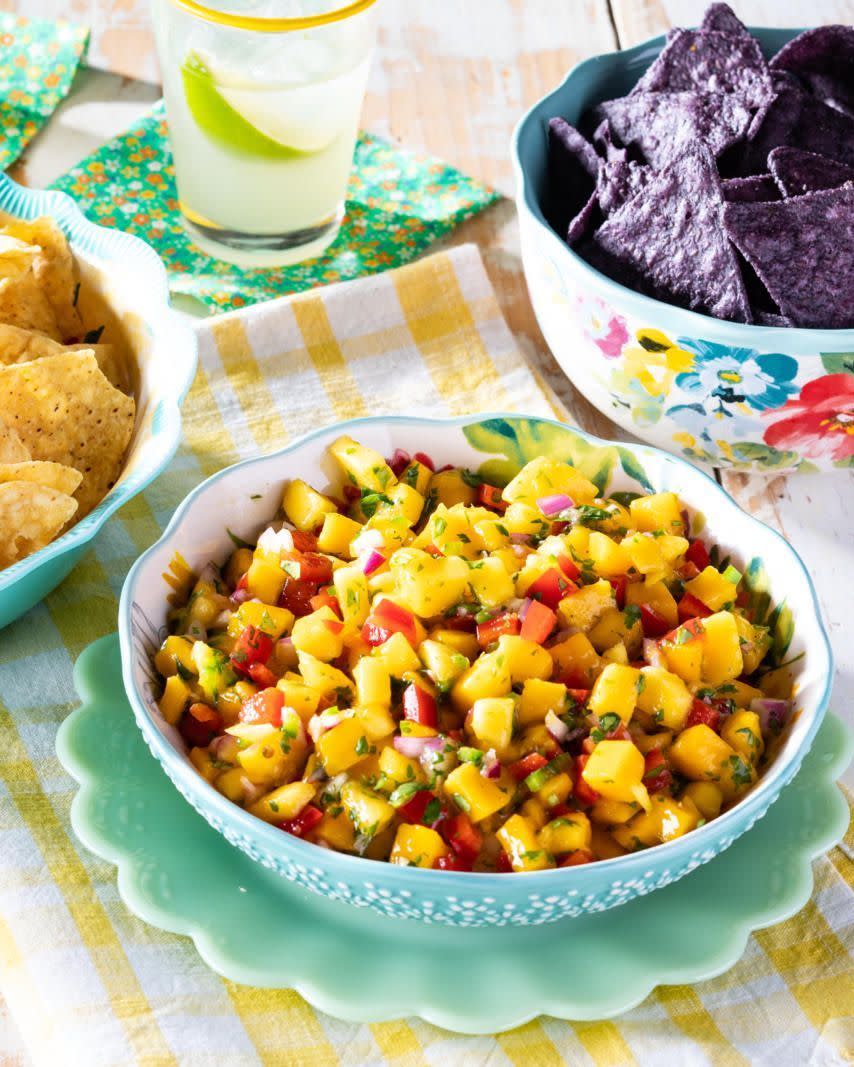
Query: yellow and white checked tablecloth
86, 983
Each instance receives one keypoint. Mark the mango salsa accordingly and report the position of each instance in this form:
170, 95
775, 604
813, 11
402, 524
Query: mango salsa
426, 669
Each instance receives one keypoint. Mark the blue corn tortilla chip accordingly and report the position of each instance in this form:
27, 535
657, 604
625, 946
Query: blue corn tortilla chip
750, 190
583, 221
796, 119
707, 61
801, 250
604, 143
722, 19
823, 59
771, 318
797, 172
663, 125
619, 180
573, 170
669, 240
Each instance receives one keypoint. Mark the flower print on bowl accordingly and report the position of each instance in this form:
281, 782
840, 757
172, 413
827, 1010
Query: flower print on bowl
723, 376
820, 422
607, 330
643, 379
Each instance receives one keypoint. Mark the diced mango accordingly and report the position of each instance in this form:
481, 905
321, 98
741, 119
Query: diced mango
417, 846
700, 754
286, 802
337, 533
336, 831
615, 770
490, 722
272, 620
743, 731
369, 812
363, 466
664, 697
265, 580
616, 627
351, 589
712, 589
323, 677
581, 609
304, 506
576, 659
519, 840
319, 634
202, 760
656, 595
397, 656
609, 557
451, 488
176, 696
473, 794
657, 511
525, 659
706, 797
545, 477
539, 697
488, 676
755, 642
377, 720
613, 812
490, 583
444, 664
722, 658
299, 696
343, 746
565, 834
399, 768
175, 651
427, 585
666, 820
615, 691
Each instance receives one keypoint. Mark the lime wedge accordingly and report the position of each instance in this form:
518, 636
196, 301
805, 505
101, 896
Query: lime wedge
218, 119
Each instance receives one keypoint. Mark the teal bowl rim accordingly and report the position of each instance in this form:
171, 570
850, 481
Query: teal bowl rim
737, 820
106, 244
690, 323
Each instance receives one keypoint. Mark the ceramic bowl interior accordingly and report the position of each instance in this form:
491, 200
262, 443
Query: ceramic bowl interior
628, 353
245, 497
123, 286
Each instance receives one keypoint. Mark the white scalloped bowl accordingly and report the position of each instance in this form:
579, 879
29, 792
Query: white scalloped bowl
243, 498
123, 277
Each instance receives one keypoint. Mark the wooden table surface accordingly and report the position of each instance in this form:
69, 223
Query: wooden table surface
452, 77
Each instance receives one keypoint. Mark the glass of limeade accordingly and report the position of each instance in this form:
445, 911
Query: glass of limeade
263, 99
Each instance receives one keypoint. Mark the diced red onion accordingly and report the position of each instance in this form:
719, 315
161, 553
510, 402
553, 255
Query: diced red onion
366, 541
224, 748
251, 791
240, 596
414, 747
772, 713
557, 729
523, 611
372, 561
491, 766
273, 541
555, 503
286, 654
652, 653
520, 538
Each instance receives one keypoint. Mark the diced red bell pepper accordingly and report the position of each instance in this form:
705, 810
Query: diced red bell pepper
296, 597
577, 858
451, 862
262, 675
583, 793
703, 713
447, 467
619, 586
693, 627
413, 810
465, 623
263, 707
252, 646
325, 599
507, 622
424, 460
656, 775
490, 497
698, 554
653, 622
503, 864
527, 765
351, 493
199, 724
420, 706
242, 582
538, 623
551, 587
569, 568
304, 541
579, 696
302, 825
559, 526
399, 461
463, 836
557, 811
690, 607
434, 551
388, 618
314, 568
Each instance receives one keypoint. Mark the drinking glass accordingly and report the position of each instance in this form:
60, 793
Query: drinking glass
263, 99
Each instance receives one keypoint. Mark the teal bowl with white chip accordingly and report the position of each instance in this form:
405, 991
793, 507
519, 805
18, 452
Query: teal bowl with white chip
753, 398
123, 279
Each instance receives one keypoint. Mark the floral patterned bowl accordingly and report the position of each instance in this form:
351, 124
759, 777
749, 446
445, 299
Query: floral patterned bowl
753, 398
244, 496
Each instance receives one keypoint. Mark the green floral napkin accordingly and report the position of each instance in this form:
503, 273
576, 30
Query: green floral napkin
38, 60
397, 204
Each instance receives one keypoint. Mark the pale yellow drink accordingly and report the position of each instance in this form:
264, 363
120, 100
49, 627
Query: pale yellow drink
263, 125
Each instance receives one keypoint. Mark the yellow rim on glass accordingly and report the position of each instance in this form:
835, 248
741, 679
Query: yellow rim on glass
261, 24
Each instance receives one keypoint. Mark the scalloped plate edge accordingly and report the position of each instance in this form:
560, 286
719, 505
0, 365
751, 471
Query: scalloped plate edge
142, 906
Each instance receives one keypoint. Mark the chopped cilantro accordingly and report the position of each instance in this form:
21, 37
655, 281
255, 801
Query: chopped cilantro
631, 615
370, 501
362, 746
238, 542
